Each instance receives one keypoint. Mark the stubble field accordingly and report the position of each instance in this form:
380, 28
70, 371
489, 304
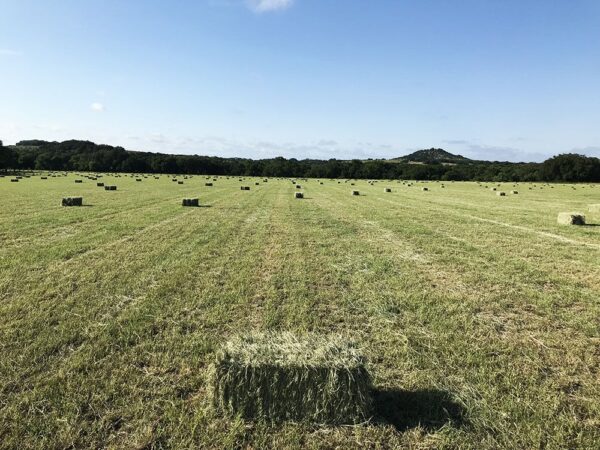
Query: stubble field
479, 315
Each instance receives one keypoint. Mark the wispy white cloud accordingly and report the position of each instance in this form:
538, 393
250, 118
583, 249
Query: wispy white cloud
97, 107
261, 6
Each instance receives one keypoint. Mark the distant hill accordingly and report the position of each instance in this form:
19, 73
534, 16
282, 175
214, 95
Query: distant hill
433, 155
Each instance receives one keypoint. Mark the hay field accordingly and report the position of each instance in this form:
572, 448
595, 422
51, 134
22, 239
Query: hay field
479, 314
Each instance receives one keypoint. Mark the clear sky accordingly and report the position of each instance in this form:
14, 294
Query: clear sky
490, 79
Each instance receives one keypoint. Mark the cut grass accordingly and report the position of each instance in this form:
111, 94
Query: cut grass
478, 317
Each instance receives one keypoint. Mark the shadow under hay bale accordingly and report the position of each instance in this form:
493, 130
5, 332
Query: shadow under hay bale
299, 195
430, 409
194, 202
280, 377
355, 193
567, 218
208, 184
72, 201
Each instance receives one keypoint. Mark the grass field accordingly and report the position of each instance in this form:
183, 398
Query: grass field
479, 315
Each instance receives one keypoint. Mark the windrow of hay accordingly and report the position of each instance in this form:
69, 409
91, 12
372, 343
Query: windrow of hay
281, 377
568, 218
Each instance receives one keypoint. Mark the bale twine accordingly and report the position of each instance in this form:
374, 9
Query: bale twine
282, 377
72, 201
568, 218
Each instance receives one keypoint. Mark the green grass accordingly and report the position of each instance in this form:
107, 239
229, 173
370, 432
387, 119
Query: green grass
478, 314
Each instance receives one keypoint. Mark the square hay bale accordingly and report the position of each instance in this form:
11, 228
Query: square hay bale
514, 192
138, 179
281, 377
298, 195
298, 186
245, 188
100, 184
110, 188
43, 178
595, 208
180, 182
501, 194
568, 218
424, 189
190, 202
14, 180
78, 181
72, 201
208, 184
387, 190
355, 193
257, 184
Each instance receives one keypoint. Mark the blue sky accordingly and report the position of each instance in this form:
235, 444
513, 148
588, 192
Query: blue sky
490, 79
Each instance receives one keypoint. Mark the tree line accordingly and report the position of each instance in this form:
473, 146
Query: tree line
75, 155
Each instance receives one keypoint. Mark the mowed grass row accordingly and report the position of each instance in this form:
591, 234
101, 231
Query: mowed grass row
478, 334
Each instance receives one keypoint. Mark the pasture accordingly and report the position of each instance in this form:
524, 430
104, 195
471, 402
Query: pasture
478, 313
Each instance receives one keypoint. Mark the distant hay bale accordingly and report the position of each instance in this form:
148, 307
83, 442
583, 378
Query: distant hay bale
568, 218
257, 184
245, 188
493, 189
387, 190
99, 184
72, 201
180, 182
299, 195
424, 189
501, 194
208, 184
281, 377
595, 208
43, 178
190, 202
355, 193
514, 192
78, 181
298, 186
138, 179
14, 180
110, 188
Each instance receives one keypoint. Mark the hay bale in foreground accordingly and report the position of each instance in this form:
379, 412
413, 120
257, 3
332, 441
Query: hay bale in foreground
72, 201
595, 208
567, 218
298, 195
190, 202
280, 377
